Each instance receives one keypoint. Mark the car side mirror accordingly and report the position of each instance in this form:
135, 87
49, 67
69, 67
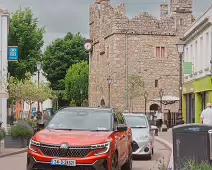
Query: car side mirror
122, 128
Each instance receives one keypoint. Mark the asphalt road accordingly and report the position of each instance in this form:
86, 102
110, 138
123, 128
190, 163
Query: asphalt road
18, 162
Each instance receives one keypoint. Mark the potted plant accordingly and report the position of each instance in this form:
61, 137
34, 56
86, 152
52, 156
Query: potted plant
19, 135
2, 134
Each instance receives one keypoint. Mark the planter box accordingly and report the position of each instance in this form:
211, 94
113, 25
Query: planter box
14, 142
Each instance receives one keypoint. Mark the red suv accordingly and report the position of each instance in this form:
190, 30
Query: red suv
82, 139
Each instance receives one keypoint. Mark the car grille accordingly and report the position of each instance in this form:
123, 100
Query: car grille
42, 166
135, 146
74, 152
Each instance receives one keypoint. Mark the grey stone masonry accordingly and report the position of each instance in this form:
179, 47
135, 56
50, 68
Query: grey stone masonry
143, 43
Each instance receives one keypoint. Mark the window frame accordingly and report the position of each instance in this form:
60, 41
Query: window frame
161, 53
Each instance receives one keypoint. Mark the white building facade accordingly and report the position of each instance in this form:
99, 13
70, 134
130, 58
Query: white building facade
4, 20
197, 88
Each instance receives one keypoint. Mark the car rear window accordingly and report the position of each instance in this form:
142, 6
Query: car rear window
90, 120
136, 121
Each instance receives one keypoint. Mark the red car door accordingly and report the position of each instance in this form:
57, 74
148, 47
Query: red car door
123, 139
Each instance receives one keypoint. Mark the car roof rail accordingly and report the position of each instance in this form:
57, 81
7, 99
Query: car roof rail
62, 108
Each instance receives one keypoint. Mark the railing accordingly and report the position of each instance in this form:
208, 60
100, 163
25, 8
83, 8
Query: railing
170, 118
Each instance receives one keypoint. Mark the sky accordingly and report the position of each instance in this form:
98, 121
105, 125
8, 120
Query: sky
62, 16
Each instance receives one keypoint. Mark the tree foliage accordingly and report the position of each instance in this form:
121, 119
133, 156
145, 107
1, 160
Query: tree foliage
28, 91
136, 86
76, 84
26, 34
60, 55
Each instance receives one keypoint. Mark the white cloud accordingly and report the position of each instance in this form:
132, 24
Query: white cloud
62, 16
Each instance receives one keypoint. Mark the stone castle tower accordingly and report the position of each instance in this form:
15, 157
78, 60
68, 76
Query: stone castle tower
142, 46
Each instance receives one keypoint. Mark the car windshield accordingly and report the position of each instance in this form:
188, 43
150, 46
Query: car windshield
136, 121
86, 120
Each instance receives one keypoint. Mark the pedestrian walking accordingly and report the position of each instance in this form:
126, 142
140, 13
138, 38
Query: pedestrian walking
159, 118
206, 116
180, 120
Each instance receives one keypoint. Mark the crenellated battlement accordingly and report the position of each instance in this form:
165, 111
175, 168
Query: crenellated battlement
106, 19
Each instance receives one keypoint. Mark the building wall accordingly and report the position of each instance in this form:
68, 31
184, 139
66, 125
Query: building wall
198, 50
119, 41
4, 17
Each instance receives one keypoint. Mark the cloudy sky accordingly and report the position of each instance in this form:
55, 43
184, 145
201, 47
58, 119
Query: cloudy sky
62, 16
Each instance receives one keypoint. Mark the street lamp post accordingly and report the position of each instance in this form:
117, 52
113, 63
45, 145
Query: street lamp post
81, 96
39, 65
126, 73
109, 80
180, 49
145, 97
161, 92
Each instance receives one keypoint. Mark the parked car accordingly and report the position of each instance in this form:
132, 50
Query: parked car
82, 138
143, 135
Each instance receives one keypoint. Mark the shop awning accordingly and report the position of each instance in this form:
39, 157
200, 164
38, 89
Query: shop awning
167, 100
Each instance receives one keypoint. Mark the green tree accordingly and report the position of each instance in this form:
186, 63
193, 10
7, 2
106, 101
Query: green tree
60, 55
26, 34
135, 88
28, 91
12, 91
76, 83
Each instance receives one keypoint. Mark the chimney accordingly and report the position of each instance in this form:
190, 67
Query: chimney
164, 10
102, 1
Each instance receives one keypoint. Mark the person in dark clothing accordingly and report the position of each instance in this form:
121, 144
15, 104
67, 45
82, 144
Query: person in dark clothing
180, 120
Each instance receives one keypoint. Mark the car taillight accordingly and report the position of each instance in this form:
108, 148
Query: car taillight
33, 146
100, 149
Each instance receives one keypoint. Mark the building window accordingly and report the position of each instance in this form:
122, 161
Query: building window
107, 52
181, 22
207, 44
156, 83
160, 52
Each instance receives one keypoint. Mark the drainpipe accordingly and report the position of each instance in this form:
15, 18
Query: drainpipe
126, 72
211, 46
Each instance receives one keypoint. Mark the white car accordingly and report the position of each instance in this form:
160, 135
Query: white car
143, 134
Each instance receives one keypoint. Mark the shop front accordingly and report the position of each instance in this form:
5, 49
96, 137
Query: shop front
196, 94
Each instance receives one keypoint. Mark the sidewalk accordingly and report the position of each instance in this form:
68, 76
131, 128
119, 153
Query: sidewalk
4, 152
166, 136
166, 139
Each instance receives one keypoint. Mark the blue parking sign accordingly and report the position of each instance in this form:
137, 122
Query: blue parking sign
12, 53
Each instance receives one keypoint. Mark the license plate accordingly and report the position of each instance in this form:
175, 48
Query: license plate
59, 162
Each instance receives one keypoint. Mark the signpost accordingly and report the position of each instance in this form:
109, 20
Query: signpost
12, 53
187, 67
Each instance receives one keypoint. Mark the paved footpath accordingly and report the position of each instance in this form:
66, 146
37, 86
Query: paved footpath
166, 136
162, 154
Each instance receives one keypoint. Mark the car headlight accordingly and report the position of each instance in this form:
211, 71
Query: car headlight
144, 137
33, 146
101, 148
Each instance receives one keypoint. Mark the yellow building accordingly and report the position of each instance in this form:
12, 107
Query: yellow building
197, 88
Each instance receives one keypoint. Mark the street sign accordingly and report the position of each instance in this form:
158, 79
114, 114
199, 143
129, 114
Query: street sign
187, 67
13, 53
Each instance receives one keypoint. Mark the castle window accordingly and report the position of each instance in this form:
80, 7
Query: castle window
160, 52
181, 22
108, 52
156, 83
